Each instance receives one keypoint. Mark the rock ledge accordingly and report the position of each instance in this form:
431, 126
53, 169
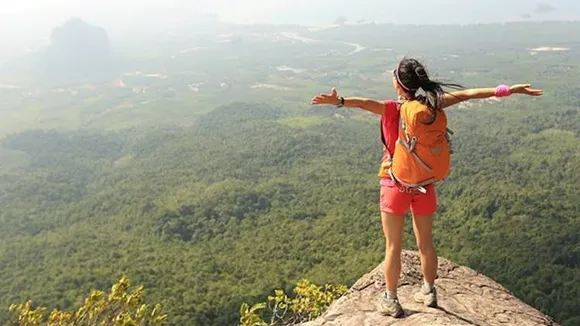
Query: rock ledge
465, 298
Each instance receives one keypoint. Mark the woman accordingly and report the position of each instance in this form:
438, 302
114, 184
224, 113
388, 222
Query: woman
411, 83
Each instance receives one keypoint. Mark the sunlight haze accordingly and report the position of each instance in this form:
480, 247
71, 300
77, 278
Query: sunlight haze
35, 15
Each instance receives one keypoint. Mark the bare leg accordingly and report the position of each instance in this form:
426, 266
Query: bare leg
393, 230
422, 226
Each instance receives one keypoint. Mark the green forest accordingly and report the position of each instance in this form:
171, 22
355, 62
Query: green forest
230, 197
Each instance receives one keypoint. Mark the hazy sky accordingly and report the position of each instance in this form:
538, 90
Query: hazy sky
37, 17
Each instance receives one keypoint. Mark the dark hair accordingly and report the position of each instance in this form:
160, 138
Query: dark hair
412, 77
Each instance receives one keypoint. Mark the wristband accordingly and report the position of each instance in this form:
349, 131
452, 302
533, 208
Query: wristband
341, 103
503, 91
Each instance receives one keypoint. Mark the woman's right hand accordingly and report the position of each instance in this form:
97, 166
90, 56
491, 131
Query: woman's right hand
331, 98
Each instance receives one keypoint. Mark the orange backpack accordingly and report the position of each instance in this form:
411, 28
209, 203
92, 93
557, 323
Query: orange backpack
422, 153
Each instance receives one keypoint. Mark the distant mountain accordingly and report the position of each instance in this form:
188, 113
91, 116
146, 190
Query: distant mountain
78, 52
77, 49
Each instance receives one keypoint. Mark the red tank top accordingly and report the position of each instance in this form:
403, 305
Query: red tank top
389, 131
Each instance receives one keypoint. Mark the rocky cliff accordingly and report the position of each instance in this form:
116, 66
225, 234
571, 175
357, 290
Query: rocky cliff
465, 298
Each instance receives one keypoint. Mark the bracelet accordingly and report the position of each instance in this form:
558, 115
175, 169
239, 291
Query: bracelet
503, 91
341, 103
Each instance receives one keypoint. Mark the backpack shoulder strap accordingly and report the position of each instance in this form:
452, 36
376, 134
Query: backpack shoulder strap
402, 125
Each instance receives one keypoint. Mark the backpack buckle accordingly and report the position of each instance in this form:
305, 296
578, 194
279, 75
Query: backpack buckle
413, 190
412, 143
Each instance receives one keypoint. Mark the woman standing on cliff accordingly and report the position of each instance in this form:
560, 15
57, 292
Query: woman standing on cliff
412, 85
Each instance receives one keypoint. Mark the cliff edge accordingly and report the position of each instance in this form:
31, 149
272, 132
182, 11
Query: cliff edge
465, 298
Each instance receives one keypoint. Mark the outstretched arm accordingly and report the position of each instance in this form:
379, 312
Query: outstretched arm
367, 104
468, 94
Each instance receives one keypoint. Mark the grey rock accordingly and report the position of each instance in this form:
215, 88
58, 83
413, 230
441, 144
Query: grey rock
465, 298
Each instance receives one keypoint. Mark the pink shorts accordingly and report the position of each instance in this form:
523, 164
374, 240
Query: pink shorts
395, 200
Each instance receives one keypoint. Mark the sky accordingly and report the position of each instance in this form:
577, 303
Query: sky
27, 18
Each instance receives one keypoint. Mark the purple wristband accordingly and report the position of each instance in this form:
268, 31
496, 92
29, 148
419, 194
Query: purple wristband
502, 91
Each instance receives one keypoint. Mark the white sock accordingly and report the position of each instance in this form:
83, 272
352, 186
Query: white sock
391, 295
427, 287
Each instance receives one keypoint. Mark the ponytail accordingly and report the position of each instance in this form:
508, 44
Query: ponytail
432, 96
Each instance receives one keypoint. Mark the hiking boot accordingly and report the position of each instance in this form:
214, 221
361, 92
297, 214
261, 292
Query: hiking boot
390, 307
429, 299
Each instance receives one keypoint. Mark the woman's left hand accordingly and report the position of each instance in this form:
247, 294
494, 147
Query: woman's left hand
525, 89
